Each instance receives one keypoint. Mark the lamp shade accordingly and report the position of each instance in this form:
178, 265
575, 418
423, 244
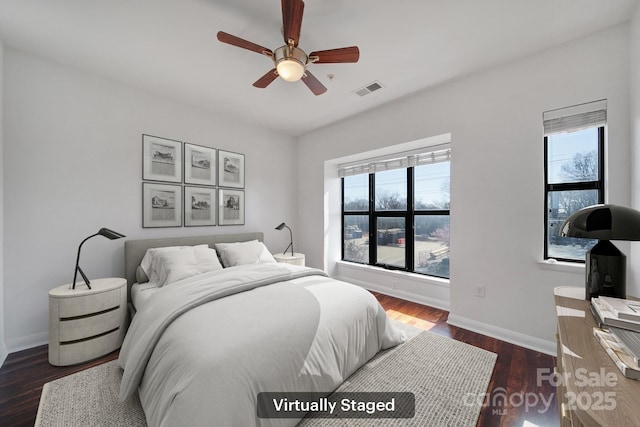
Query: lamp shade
603, 222
110, 234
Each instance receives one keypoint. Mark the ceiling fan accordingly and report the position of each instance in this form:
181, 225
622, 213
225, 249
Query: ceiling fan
290, 61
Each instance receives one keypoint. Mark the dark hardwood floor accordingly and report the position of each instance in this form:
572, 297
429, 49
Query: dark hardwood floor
513, 397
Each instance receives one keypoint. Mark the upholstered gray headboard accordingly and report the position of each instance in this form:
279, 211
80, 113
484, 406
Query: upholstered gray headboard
134, 250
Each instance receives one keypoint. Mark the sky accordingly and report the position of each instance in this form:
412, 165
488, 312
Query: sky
429, 182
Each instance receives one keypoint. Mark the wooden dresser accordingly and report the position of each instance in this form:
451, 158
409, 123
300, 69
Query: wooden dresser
591, 390
86, 323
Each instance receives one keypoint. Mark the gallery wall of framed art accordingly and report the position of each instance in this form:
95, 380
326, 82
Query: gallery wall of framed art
190, 185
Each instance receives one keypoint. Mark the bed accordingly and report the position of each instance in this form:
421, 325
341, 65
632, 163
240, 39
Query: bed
202, 345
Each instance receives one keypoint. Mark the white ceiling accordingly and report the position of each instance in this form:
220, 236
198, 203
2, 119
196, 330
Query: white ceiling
170, 46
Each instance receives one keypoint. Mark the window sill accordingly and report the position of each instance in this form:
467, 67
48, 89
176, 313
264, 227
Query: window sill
565, 267
394, 273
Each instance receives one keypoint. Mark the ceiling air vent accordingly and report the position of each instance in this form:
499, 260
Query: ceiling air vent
371, 87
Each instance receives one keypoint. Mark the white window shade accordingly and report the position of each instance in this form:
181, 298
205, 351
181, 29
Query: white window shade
434, 154
570, 119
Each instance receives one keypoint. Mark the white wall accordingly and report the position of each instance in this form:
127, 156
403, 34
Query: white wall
3, 346
495, 119
72, 164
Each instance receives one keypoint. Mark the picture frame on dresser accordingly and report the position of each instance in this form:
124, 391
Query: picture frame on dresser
161, 205
199, 206
231, 206
199, 165
230, 169
161, 159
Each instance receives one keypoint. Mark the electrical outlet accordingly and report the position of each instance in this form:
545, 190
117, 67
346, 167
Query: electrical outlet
480, 291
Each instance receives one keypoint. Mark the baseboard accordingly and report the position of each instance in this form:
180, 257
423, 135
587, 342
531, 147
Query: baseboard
398, 293
3, 353
516, 338
30, 341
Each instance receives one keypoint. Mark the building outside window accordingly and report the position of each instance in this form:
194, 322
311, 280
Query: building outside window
574, 173
395, 212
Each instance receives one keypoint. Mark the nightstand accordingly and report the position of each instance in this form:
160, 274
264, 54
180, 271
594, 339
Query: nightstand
86, 323
295, 259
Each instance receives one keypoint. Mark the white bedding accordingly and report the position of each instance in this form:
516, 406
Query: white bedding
200, 350
140, 292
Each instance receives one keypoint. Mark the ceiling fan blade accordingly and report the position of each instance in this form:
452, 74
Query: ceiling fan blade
333, 56
266, 80
314, 84
292, 11
237, 41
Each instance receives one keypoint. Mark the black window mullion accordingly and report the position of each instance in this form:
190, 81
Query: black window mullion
601, 164
373, 226
409, 223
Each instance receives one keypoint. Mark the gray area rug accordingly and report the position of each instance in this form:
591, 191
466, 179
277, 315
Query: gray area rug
441, 372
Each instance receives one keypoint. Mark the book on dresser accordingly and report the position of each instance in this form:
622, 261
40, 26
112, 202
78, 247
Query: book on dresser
618, 353
630, 340
622, 308
606, 317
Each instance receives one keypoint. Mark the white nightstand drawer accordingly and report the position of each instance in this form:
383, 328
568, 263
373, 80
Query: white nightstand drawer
72, 307
69, 354
87, 327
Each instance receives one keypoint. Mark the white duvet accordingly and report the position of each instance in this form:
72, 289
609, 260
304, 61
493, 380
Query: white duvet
200, 350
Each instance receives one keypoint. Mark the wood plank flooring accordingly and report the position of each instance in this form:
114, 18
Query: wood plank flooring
513, 397
511, 394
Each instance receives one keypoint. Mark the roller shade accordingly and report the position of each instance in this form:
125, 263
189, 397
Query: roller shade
570, 119
425, 156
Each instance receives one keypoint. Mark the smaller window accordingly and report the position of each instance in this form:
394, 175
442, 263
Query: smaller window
574, 173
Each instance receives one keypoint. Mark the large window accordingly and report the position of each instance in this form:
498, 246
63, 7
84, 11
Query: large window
574, 173
396, 212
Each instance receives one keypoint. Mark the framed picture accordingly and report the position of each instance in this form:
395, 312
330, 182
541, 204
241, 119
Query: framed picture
199, 206
230, 169
230, 207
161, 159
161, 205
199, 165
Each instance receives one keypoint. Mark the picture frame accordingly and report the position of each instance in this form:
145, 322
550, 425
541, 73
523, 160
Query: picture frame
161, 205
161, 159
199, 206
230, 169
199, 165
231, 206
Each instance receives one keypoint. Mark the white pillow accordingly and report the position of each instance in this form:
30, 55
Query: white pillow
170, 266
157, 272
175, 265
242, 253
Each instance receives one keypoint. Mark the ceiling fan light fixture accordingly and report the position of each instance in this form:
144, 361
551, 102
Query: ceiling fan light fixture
290, 63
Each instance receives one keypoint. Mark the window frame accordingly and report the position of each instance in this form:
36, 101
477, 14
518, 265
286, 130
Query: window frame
597, 185
409, 215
